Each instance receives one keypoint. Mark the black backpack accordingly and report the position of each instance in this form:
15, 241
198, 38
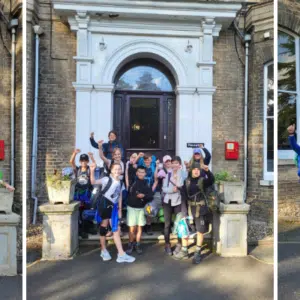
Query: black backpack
85, 179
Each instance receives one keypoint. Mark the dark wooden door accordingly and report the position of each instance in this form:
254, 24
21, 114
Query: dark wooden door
145, 122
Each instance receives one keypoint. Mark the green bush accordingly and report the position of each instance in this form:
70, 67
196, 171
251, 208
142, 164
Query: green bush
224, 176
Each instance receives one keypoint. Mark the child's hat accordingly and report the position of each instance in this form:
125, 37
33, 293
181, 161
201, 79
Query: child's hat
166, 158
199, 151
84, 157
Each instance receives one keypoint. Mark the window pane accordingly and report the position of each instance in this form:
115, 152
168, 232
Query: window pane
144, 123
286, 117
270, 145
144, 78
286, 62
270, 100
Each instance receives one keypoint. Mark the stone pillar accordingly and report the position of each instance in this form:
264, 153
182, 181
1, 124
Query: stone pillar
233, 230
8, 244
60, 230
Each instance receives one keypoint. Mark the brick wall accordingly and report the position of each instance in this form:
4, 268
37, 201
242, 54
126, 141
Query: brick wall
57, 107
288, 185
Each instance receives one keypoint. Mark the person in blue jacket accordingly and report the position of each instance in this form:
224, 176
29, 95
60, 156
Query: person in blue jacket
294, 145
108, 147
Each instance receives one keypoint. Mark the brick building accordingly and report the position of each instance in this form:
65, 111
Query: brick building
190, 60
11, 10
288, 59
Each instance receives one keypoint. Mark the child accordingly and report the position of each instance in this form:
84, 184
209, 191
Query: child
172, 200
151, 165
109, 147
161, 174
7, 186
139, 195
110, 207
200, 155
83, 188
200, 178
130, 173
294, 145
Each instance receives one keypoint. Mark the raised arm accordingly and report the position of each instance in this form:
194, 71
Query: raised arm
91, 155
210, 179
72, 160
207, 156
93, 142
135, 160
7, 186
93, 180
101, 154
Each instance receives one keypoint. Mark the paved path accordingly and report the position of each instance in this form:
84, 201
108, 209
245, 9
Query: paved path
289, 262
11, 288
152, 276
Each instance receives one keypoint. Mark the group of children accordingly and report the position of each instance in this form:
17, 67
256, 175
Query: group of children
145, 183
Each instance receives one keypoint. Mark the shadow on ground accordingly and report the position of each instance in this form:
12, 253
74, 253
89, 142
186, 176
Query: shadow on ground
289, 261
11, 288
152, 276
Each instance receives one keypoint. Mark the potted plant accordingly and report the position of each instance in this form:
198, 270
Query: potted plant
61, 188
230, 188
6, 199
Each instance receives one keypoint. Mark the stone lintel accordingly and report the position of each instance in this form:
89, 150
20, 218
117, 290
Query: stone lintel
9, 219
234, 208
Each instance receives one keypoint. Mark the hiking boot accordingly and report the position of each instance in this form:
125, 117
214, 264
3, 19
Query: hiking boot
197, 258
138, 248
105, 255
182, 254
130, 248
125, 258
177, 249
168, 250
148, 230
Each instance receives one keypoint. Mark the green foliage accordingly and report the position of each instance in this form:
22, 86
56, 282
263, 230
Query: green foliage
57, 180
224, 176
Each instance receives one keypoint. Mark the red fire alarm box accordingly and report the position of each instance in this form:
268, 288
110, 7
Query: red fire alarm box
231, 150
1, 150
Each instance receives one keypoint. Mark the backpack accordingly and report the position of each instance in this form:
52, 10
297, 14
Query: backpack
83, 180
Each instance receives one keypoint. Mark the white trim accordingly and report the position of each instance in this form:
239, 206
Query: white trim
267, 175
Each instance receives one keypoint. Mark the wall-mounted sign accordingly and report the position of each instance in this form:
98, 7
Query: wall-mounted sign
194, 145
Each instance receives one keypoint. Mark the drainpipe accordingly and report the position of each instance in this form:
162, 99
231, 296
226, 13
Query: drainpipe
247, 39
38, 31
13, 24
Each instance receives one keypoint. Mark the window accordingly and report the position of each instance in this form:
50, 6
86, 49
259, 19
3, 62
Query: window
268, 121
288, 90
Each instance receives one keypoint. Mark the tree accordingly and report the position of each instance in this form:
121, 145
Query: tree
145, 83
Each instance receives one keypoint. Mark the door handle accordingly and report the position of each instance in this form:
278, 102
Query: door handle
165, 137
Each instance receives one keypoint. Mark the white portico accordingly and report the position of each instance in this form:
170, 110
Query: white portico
178, 36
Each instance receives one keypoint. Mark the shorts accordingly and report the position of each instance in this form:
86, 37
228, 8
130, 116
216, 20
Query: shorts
201, 224
135, 216
105, 208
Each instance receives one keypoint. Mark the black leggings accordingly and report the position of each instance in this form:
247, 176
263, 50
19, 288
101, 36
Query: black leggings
168, 210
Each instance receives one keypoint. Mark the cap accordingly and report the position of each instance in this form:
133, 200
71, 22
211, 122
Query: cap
166, 158
199, 151
84, 157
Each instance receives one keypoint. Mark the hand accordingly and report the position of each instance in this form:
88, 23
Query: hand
92, 135
157, 163
91, 154
205, 168
291, 129
201, 146
141, 154
9, 187
100, 143
93, 167
186, 163
175, 189
76, 151
141, 196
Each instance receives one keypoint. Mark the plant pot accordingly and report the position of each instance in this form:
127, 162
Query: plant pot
62, 193
6, 200
233, 192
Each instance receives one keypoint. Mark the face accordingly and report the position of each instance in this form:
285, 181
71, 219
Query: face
116, 171
148, 162
140, 174
176, 165
117, 155
197, 156
132, 157
168, 164
84, 163
112, 137
195, 173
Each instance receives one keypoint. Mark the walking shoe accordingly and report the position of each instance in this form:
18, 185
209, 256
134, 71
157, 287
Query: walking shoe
138, 248
130, 248
147, 230
125, 258
197, 258
177, 249
105, 255
182, 254
168, 250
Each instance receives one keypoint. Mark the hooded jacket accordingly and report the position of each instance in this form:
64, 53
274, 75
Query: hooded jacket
108, 148
139, 187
